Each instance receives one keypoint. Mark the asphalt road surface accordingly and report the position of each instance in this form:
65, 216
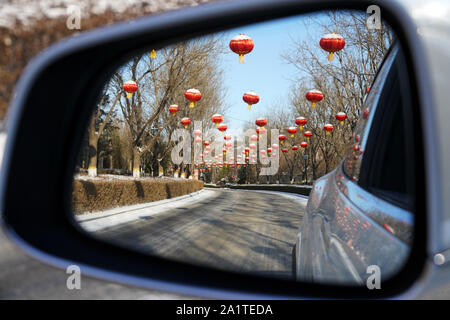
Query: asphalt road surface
242, 231
225, 229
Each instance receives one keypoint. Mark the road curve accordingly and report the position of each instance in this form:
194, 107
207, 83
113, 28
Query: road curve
236, 230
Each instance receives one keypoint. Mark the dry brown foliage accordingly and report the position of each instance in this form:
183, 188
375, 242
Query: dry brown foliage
97, 195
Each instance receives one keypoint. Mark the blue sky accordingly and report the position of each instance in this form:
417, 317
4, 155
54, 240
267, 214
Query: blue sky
264, 71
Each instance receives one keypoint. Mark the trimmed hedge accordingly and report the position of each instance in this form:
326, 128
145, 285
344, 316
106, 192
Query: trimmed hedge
98, 195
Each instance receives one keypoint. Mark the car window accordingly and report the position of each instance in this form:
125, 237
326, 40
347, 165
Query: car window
380, 159
355, 152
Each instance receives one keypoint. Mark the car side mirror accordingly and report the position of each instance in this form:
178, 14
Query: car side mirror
54, 102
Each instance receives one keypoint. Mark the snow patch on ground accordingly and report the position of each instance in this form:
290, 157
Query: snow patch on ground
112, 177
109, 218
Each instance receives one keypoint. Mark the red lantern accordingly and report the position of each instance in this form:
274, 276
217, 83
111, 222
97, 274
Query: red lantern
198, 140
251, 98
269, 151
301, 121
185, 122
292, 131
197, 133
227, 138
341, 116
252, 146
261, 122
332, 43
206, 143
303, 145
308, 134
193, 95
328, 128
254, 138
295, 148
275, 146
222, 127
173, 109
217, 119
314, 96
284, 150
130, 87
260, 130
241, 45
246, 151
281, 138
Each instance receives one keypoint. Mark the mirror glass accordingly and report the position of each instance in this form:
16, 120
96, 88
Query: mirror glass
276, 149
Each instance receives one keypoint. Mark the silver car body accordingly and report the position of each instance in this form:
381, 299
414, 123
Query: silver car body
346, 228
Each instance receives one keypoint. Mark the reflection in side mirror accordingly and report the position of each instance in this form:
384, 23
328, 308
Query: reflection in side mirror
225, 151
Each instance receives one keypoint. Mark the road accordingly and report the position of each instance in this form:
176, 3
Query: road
242, 230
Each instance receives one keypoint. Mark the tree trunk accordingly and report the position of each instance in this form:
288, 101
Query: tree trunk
136, 163
93, 145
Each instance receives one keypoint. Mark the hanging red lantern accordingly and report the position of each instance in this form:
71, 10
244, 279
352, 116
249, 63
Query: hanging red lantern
275, 146
301, 121
308, 134
261, 122
217, 119
254, 138
292, 131
246, 151
206, 143
314, 96
332, 43
173, 109
251, 98
269, 151
222, 127
284, 150
303, 145
260, 130
281, 138
241, 44
295, 148
185, 122
130, 87
193, 95
197, 133
227, 137
198, 140
328, 128
341, 116
262, 151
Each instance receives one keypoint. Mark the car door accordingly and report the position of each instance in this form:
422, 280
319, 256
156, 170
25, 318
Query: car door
361, 214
